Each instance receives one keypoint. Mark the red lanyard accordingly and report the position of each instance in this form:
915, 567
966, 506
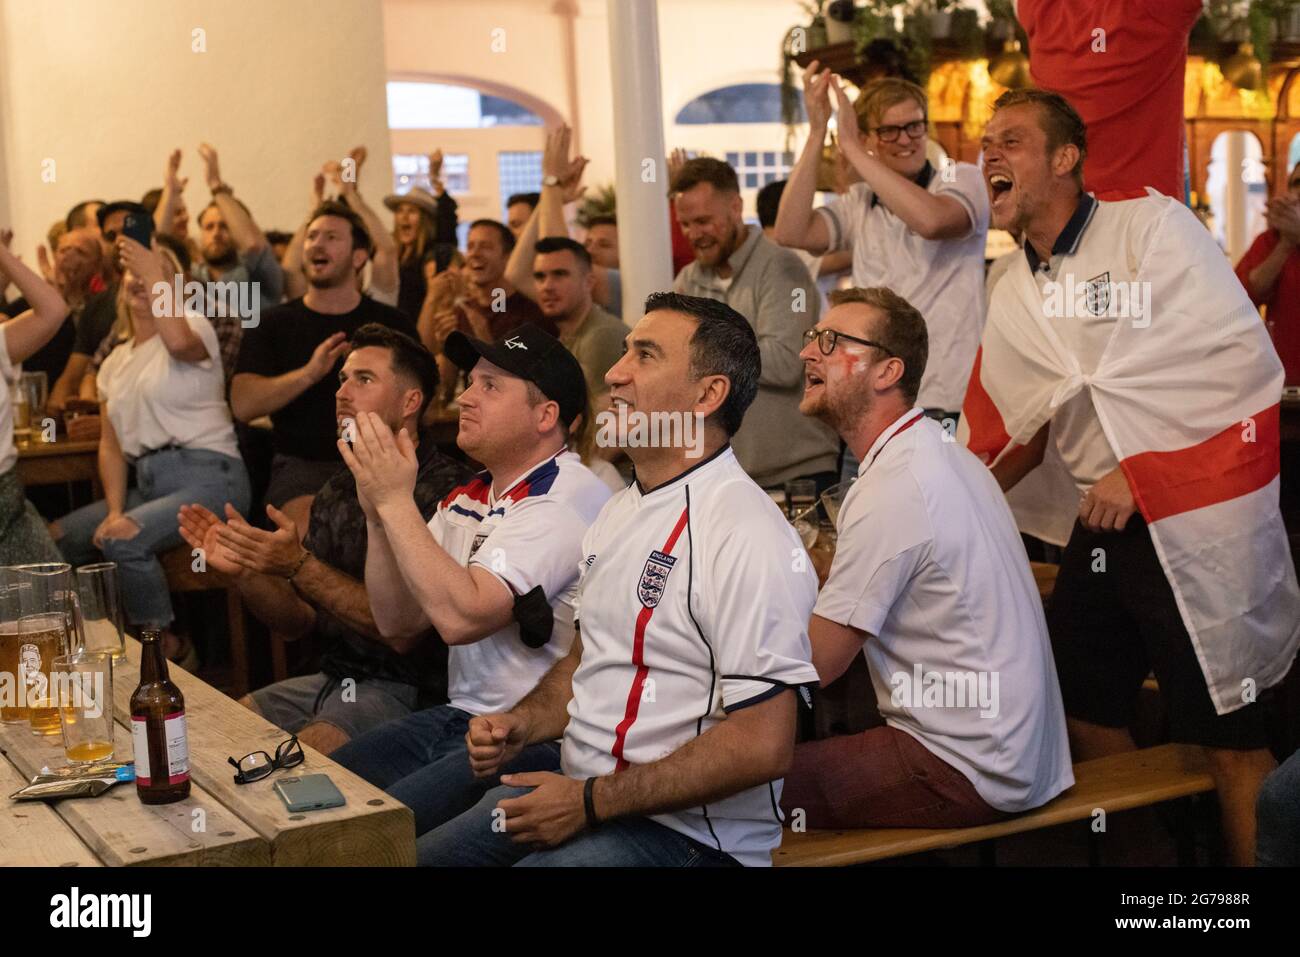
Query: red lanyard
903, 428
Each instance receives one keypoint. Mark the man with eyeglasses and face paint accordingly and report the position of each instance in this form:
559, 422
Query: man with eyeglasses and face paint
913, 228
931, 584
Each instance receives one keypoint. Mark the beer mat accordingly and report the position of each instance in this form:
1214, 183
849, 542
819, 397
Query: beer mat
89, 780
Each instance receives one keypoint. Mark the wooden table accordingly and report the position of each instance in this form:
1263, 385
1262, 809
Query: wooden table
220, 823
59, 462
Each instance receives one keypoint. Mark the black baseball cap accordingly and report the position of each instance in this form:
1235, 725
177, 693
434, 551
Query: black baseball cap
127, 205
532, 354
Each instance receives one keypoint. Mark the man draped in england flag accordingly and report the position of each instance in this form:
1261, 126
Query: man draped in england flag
1125, 376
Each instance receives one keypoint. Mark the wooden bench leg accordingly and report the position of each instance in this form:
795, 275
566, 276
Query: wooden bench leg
238, 642
1183, 818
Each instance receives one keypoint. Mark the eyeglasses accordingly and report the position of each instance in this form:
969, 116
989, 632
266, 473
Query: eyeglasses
888, 134
826, 339
258, 764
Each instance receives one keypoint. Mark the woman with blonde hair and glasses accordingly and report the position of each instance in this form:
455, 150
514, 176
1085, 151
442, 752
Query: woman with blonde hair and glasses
164, 414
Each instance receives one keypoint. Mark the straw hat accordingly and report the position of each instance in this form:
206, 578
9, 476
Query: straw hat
421, 198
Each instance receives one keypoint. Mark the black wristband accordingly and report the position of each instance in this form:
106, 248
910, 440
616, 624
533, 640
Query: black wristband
593, 822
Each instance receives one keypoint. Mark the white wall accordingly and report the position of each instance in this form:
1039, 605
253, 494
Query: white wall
107, 89
704, 44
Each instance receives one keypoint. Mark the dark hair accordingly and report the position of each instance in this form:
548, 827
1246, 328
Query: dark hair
409, 358
723, 344
559, 244
151, 199
331, 207
705, 169
903, 332
507, 237
274, 236
602, 219
769, 201
1057, 118
178, 248
76, 218
532, 199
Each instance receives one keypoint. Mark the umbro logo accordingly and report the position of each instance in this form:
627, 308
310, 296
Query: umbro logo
514, 343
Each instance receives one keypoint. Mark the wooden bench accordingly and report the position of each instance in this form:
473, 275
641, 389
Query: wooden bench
1116, 783
178, 566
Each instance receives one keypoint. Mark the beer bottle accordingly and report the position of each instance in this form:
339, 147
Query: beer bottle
162, 750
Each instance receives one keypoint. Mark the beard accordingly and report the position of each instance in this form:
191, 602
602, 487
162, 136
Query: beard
841, 408
340, 275
226, 258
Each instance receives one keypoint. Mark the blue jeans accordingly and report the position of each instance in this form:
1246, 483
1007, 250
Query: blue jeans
470, 840
421, 760
1277, 811
165, 481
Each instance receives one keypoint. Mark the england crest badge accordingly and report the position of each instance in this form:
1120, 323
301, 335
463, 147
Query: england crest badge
1096, 294
654, 577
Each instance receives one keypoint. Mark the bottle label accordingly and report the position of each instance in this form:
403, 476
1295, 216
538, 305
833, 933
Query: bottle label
178, 749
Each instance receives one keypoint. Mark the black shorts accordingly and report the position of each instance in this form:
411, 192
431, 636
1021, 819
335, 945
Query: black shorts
292, 477
1111, 628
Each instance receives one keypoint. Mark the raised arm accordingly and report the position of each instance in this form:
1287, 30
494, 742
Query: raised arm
928, 215
797, 225
173, 187
182, 342
243, 230
383, 264
295, 283
31, 330
548, 218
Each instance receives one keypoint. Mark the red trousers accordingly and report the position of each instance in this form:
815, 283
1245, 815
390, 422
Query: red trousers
880, 778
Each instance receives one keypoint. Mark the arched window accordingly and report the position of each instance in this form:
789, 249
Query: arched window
740, 103
442, 106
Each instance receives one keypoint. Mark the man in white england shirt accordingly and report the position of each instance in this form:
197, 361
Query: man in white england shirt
677, 701
495, 571
931, 583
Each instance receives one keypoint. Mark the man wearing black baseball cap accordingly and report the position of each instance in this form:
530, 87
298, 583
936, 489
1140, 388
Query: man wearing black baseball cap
495, 570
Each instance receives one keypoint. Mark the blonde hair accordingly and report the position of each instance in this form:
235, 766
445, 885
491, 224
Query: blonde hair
879, 95
124, 324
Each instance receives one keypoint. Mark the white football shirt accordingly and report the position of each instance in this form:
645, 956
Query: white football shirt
929, 563
529, 535
942, 278
694, 602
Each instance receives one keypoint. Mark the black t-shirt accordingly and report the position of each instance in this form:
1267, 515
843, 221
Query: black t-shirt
53, 356
283, 341
96, 321
336, 535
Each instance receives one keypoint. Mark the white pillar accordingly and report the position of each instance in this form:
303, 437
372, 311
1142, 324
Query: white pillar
640, 177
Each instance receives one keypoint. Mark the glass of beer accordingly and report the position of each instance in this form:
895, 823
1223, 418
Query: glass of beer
83, 692
101, 609
41, 639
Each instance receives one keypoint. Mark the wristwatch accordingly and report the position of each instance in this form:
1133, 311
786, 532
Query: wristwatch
550, 181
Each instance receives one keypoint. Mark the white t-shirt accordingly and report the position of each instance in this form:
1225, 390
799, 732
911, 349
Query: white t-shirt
694, 603
8, 376
156, 400
929, 563
530, 535
942, 278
